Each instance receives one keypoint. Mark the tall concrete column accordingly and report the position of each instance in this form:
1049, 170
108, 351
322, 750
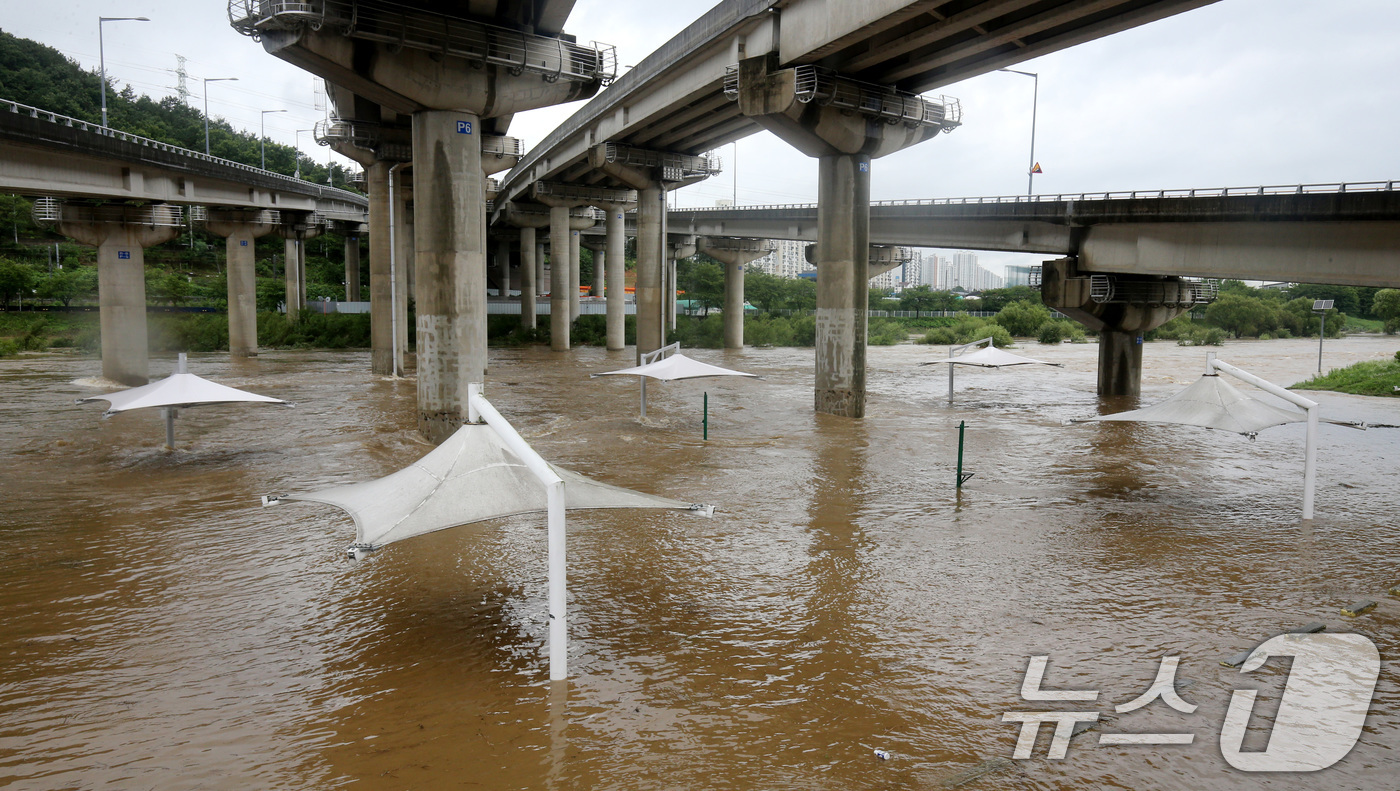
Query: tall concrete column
616, 280
600, 276
574, 263
381, 306
405, 254
735, 254
291, 267
240, 228
559, 271
528, 249
844, 136
541, 280
651, 204
352, 268
843, 255
1120, 363
121, 234
450, 238
503, 267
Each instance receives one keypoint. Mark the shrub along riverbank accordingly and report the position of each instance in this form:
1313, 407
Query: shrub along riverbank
1370, 378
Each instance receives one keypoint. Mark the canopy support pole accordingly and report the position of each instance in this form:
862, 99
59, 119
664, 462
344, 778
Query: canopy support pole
480, 410
1310, 454
954, 351
650, 357
169, 414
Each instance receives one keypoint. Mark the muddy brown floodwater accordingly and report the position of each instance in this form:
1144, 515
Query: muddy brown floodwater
163, 630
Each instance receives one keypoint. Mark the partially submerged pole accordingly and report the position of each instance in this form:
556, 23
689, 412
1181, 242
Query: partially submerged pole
169, 414
962, 429
705, 421
480, 410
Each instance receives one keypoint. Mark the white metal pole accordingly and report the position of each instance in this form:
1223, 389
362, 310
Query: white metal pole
558, 585
1310, 464
169, 414
951, 366
479, 409
644, 395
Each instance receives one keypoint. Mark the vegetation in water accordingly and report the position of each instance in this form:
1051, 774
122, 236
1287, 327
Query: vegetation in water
1371, 378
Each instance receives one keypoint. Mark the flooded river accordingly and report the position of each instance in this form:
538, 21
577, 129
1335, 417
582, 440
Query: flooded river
162, 630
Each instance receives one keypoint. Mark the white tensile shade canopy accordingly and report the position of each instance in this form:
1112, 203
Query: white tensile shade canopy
471, 477
180, 390
482, 472
988, 357
655, 365
1212, 402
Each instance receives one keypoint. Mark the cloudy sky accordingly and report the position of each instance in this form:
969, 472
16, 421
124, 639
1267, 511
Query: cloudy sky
1242, 92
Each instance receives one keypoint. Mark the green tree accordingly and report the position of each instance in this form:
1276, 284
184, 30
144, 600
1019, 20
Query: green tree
1241, 315
1023, 318
998, 298
63, 286
1385, 305
16, 279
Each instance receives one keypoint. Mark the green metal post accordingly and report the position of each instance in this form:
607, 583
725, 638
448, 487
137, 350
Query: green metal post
962, 428
706, 421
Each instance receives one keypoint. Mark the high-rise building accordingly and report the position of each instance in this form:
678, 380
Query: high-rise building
1018, 275
788, 259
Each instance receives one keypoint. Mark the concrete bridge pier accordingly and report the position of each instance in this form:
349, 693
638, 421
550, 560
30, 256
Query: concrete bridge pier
845, 125
651, 174
679, 248
352, 267
296, 229
616, 279
450, 242
1120, 308
574, 274
121, 234
240, 227
735, 254
600, 260
531, 259
559, 275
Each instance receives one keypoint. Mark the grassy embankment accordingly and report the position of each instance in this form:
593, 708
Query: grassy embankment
1371, 378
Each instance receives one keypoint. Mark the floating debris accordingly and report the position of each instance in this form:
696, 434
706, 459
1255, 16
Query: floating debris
883, 755
1358, 608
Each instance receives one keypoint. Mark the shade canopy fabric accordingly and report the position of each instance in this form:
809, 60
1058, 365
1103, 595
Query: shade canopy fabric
677, 366
180, 390
991, 357
1211, 402
471, 477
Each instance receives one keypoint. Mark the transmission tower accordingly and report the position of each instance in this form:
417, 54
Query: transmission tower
181, 88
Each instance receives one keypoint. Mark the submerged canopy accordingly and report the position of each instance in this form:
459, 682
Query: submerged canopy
179, 390
991, 357
471, 477
1211, 402
677, 366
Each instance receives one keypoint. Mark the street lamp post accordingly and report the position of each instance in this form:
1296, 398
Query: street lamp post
1035, 99
262, 136
208, 80
102, 55
298, 151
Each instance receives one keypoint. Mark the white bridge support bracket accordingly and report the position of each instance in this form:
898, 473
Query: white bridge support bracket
479, 410
1310, 453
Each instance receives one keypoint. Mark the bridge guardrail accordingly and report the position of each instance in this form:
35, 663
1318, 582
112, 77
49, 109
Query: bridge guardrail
1211, 192
107, 131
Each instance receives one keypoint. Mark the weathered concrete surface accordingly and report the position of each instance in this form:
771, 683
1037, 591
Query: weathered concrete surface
450, 294
352, 267
843, 249
240, 227
560, 269
528, 271
735, 254
121, 280
381, 290
616, 280
1120, 324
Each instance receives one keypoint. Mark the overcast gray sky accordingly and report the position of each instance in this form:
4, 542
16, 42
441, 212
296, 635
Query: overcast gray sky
1241, 92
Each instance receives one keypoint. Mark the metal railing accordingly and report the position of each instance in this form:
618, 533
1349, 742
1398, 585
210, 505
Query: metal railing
1181, 292
361, 134
584, 193
400, 25
49, 211
826, 87
116, 134
675, 167
502, 146
1334, 188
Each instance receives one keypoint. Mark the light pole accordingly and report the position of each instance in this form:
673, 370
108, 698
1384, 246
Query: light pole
298, 151
1320, 307
1035, 99
262, 135
102, 56
208, 80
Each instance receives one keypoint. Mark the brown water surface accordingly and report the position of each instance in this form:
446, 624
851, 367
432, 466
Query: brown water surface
163, 630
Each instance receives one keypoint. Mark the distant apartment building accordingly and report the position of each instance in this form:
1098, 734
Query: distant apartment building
788, 259
961, 271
